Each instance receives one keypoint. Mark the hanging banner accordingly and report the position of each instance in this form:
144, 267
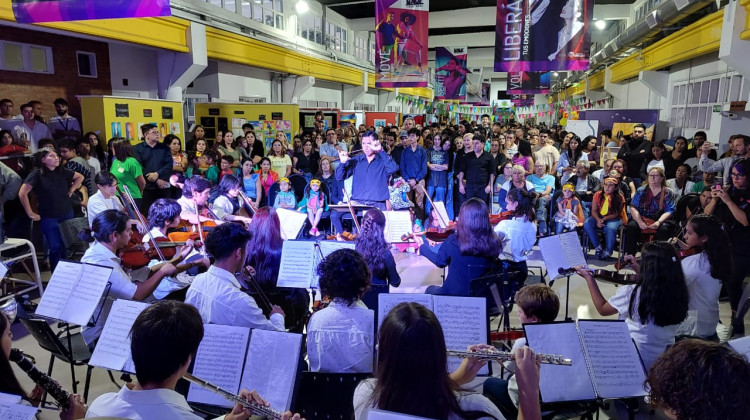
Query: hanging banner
474, 86
450, 73
36, 11
543, 35
527, 82
522, 100
486, 85
401, 43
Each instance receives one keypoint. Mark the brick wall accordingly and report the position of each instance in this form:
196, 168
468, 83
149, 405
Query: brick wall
22, 87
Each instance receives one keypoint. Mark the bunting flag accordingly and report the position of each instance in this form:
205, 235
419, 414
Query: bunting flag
527, 82
36, 11
451, 73
401, 43
543, 35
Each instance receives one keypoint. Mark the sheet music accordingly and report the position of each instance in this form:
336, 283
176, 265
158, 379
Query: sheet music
297, 264
615, 365
86, 294
272, 365
386, 302
741, 346
397, 223
3, 270
9, 398
17, 411
464, 322
291, 222
443, 218
561, 383
113, 347
220, 359
326, 248
561, 251
59, 289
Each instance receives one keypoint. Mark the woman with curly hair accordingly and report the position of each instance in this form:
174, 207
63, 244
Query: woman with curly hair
696, 380
341, 338
377, 252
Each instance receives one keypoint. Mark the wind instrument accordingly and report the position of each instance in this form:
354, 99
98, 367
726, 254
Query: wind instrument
504, 356
257, 409
40, 378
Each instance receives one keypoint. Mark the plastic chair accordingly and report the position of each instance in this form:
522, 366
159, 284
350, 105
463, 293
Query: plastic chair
326, 216
299, 185
272, 192
69, 230
70, 348
327, 395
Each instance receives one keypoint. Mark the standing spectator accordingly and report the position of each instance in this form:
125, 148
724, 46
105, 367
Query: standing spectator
64, 126
127, 169
84, 151
698, 139
544, 187
6, 110
399, 149
658, 152
75, 163
478, 170
676, 157
156, 160
29, 129
636, 151
98, 149
740, 146
451, 157
228, 146
414, 170
570, 157
438, 163
547, 154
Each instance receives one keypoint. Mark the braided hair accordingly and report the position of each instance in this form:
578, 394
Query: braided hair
371, 241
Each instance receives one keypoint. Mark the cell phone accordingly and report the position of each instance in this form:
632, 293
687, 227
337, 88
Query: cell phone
717, 186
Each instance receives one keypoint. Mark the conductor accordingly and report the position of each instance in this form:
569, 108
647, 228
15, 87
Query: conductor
369, 171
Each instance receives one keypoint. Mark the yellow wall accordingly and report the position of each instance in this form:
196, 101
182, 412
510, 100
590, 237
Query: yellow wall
426, 93
596, 80
101, 116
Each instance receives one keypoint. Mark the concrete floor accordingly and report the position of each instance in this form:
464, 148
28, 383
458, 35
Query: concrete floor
416, 272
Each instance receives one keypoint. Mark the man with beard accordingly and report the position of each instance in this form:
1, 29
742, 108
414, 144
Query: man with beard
63, 125
635, 152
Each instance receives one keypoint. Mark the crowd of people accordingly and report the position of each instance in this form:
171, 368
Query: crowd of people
540, 181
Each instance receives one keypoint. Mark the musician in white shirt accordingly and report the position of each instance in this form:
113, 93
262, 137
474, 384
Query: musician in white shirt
218, 294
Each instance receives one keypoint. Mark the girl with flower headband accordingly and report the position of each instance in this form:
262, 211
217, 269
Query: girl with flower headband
568, 201
314, 203
285, 199
607, 213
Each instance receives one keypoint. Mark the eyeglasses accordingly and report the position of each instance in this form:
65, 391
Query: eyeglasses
738, 175
654, 176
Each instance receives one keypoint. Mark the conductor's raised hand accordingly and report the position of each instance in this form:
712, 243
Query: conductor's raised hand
375, 146
343, 156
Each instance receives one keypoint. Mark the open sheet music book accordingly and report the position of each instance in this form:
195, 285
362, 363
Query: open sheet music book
606, 363
442, 218
397, 223
562, 251
464, 319
300, 259
11, 408
234, 358
741, 346
291, 222
73, 292
113, 347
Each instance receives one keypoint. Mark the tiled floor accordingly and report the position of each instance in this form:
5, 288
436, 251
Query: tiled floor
416, 272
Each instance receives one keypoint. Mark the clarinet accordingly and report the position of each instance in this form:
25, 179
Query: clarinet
40, 378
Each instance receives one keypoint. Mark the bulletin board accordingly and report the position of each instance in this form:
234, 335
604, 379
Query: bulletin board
267, 119
113, 116
331, 117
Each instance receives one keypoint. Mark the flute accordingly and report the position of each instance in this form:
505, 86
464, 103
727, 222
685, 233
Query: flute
257, 409
40, 378
504, 356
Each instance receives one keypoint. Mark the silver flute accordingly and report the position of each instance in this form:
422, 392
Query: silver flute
504, 356
257, 409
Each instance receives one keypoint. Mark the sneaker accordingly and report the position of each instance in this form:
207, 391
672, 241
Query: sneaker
604, 255
598, 252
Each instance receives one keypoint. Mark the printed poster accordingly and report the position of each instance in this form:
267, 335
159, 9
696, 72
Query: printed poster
543, 35
283, 125
474, 87
451, 73
401, 43
528, 82
36, 11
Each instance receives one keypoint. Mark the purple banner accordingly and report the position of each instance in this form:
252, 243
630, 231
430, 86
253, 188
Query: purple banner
450, 73
527, 82
401, 43
543, 35
37, 11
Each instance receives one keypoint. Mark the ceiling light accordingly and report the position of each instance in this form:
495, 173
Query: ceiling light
301, 7
600, 24
555, 74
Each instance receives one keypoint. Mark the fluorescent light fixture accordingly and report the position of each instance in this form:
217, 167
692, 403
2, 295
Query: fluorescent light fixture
301, 7
600, 24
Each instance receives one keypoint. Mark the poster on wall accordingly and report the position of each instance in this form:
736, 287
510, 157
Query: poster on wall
401, 43
623, 119
525, 82
626, 129
36, 11
450, 73
543, 35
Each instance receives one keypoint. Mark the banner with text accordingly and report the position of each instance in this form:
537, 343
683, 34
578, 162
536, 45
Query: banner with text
543, 35
401, 43
526, 82
450, 73
36, 11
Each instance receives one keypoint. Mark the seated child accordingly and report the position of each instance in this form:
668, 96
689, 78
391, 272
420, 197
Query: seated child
569, 211
212, 173
398, 198
285, 199
314, 204
226, 166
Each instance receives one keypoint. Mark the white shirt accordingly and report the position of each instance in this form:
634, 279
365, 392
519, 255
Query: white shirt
704, 297
518, 236
122, 287
18, 128
188, 206
95, 165
223, 205
142, 405
466, 400
217, 295
650, 339
511, 366
168, 284
341, 338
679, 192
67, 123
97, 204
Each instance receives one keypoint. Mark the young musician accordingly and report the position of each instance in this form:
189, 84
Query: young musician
340, 338
227, 202
194, 198
653, 308
9, 383
105, 198
111, 231
468, 253
372, 245
411, 373
164, 341
518, 233
695, 379
217, 294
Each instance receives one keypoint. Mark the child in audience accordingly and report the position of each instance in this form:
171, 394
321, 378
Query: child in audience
536, 303
226, 166
212, 172
397, 191
314, 203
568, 201
285, 199
341, 337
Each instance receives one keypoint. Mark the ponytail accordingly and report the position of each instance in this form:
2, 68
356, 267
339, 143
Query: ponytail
104, 225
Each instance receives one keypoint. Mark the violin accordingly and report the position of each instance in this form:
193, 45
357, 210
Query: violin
606, 276
137, 255
684, 253
345, 235
497, 218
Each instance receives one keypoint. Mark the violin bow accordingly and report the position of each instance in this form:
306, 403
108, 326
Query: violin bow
152, 240
247, 202
200, 229
426, 194
351, 209
254, 283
